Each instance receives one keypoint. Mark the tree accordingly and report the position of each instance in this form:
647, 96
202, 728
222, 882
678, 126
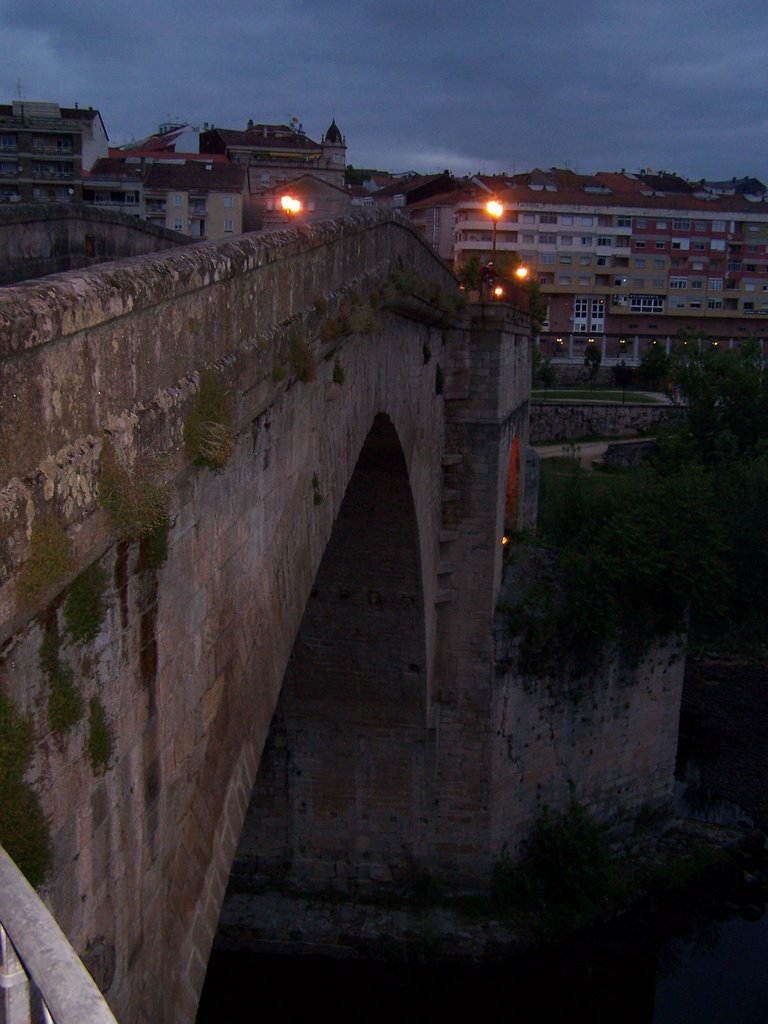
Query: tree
537, 305
725, 392
546, 374
592, 360
654, 366
623, 376
469, 274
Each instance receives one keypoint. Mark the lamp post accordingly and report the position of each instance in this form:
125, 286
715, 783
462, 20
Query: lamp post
290, 205
495, 211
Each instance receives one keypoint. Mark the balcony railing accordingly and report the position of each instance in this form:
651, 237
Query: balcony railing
42, 980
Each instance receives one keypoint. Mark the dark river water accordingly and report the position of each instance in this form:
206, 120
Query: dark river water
720, 976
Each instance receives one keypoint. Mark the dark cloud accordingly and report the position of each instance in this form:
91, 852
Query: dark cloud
494, 86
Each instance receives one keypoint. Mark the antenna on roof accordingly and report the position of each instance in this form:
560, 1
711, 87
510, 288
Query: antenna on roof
18, 87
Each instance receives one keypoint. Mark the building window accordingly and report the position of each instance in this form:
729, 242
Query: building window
695, 304
677, 303
657, 282
624, 222
586, 239
619, 282
715, 284
586, 221
734, 265
680, 243
584, 281
547, 238
661, 225
718, 225
717, 245
646, 303
753, 227
659, 245
178, 200
639, 245
604, 222
681, 224
678, 283
178, 225
529, 239
566, 218
566, 239
750, 286
697, 282
700, 225
229, 202
564, 279
604, 240
547, 218
750, 267
641, 222
229, 226
603, 261
640, 264
565, 260
699, 246
529, 218
638, 282
714, 303
546, 257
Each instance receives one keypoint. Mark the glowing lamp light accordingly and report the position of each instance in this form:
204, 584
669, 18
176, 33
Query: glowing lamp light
290, 205
498, 291
504, 540
494, 209
521, 273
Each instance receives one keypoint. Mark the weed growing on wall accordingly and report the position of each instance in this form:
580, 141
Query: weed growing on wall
85, 607
48, 560
317, 497
359, 320
99, 737
209, 434
23, 828
301, 359
278, 370
136, 503
65, 702
567, 876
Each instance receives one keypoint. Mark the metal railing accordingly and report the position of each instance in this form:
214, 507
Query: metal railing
42, 979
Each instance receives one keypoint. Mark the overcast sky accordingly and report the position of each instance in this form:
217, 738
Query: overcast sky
415, 84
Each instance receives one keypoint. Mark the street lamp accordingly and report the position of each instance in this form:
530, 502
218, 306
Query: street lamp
495, 211
521, 272
290, 205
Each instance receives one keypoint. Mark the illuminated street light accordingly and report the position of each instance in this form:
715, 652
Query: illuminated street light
290, 205
495, 211
521, 273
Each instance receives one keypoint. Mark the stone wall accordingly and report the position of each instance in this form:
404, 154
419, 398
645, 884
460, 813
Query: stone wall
570, 421
41, 239
190, 657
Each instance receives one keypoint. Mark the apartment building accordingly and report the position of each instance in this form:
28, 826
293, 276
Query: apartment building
200, 198
628, 256
44, 150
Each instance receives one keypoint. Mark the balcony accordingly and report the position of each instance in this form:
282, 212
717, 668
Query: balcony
198, 207
156, 206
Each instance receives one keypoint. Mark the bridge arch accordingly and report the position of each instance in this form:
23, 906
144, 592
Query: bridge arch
341, 798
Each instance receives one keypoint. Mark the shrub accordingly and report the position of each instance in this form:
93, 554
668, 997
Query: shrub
48, 560
23, 829
209, 434
301, 359
136, 503
99, 737
84, 607
65, 702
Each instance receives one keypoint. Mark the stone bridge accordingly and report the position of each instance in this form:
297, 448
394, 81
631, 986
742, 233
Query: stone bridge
253, 496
